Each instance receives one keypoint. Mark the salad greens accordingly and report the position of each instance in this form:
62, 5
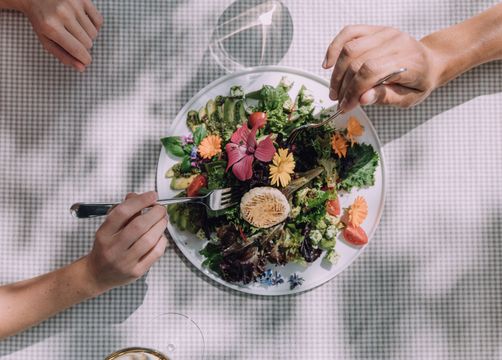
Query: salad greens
231, 143
358, 168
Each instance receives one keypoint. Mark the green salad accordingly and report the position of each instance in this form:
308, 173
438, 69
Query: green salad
290, 210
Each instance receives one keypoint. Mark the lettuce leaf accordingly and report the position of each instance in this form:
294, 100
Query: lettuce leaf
358, 168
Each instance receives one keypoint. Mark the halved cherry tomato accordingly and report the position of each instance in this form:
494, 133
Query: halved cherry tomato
333, 207
197, 183
258, 119
355, 235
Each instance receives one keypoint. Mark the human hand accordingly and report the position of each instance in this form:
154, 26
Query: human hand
127, 243
66, 28
362, 55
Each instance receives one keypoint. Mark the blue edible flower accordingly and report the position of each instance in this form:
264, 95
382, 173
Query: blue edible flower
270, 278
295, 280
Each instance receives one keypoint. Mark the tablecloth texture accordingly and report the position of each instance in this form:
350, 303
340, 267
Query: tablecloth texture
429, 285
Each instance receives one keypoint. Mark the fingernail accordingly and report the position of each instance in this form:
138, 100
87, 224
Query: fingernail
325, 62
369, 98
332, 94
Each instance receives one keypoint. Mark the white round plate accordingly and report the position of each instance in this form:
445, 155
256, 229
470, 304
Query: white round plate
319, 271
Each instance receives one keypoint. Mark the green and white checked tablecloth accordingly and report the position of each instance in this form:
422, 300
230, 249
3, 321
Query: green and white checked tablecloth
429, 286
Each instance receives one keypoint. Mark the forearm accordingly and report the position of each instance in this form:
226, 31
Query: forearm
468, 44
11, 4
29, 302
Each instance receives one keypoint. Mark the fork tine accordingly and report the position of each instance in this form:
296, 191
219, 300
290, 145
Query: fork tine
230, 193
225, 190
233, 199
294, 135
233, 196
227, 205
224, 198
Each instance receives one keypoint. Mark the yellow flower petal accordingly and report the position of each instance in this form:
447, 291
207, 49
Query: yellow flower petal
283, 165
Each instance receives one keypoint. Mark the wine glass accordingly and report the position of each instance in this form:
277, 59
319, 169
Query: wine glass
251, 33
169, 336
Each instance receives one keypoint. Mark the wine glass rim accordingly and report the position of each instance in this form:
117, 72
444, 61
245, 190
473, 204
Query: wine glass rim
134, 350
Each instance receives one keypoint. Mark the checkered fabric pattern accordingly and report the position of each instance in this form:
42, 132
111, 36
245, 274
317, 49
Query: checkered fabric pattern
428, 286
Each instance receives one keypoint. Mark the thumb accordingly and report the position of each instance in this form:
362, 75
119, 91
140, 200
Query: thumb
390, 94
130, 195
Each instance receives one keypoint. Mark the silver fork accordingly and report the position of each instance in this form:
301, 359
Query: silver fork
294, 134
219, 199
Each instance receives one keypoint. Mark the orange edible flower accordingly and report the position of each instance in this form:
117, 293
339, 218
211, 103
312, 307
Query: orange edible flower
354, 129
210, 146
357, 212
339, 145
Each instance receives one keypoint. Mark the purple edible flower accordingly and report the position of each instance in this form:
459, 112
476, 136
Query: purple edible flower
188, 139
193, 153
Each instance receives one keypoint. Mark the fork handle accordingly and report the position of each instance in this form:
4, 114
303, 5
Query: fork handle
90, 210
179, 200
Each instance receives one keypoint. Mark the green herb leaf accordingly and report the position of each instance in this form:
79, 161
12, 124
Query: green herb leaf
358, 168
216, 174
199, 134
172, 145
273, 98
213, 257
185, 164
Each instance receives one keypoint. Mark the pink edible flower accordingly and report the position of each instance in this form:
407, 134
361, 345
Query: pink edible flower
188, 139
243, 149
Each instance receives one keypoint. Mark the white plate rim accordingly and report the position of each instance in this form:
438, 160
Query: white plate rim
329, 276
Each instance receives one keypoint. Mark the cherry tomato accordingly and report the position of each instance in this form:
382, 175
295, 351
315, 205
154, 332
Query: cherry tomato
197, 183
333, 207
355, 235
258, 119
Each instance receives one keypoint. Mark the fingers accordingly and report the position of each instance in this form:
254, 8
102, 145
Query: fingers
141, 225
93, 13
61, 54
68, 42
356, 83
355, 52
75, 28
71, 24
392, 94
154, 254
121, 214
87, 25
146, 242
347, 34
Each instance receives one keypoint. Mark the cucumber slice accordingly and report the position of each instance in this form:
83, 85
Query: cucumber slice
174, 216
229, 112
240, 113
184, 219
181, 183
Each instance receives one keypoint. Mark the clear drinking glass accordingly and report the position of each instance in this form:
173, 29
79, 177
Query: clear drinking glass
251, 33
170, 336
